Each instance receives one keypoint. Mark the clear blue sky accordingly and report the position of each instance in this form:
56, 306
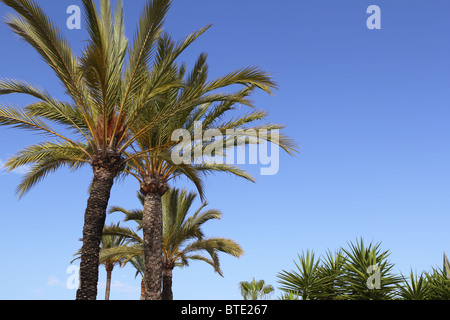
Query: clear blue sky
370, 110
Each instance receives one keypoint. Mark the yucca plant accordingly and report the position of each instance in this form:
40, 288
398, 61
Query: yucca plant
348, 274
416, 287
289, 295
332, 269
368, 273
306, 281
439, 284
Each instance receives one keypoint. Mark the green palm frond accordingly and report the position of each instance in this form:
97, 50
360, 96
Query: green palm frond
247, 76
36, 28
44, 159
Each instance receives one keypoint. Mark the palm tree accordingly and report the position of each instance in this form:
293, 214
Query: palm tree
138, 263
108, 241
179, 229
255, 290
183, 238
159, 167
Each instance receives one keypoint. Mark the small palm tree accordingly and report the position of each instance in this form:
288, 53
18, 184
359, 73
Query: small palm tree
108, 241
183, 237
255, 290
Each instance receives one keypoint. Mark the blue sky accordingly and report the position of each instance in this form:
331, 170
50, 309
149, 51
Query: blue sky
368, 108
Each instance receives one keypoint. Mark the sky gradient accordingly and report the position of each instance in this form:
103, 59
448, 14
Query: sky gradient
369, 110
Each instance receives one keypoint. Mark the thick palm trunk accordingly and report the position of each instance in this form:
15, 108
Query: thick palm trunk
167, 293
94, 221
152, 230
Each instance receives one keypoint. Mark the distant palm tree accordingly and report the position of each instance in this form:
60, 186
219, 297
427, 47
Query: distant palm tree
138, 263
108, 241
183, 238
255, 290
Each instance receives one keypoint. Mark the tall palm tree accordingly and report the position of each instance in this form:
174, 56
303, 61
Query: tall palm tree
107, 97
154, 172
183, 237
255, 290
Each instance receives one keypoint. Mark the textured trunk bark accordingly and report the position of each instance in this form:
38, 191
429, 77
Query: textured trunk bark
94, 221
167, 293
152, 230
142, 290
109, 270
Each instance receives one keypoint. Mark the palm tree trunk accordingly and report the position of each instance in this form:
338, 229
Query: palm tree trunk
94, 221
152, 230
142, 290
109, 270
167, 293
